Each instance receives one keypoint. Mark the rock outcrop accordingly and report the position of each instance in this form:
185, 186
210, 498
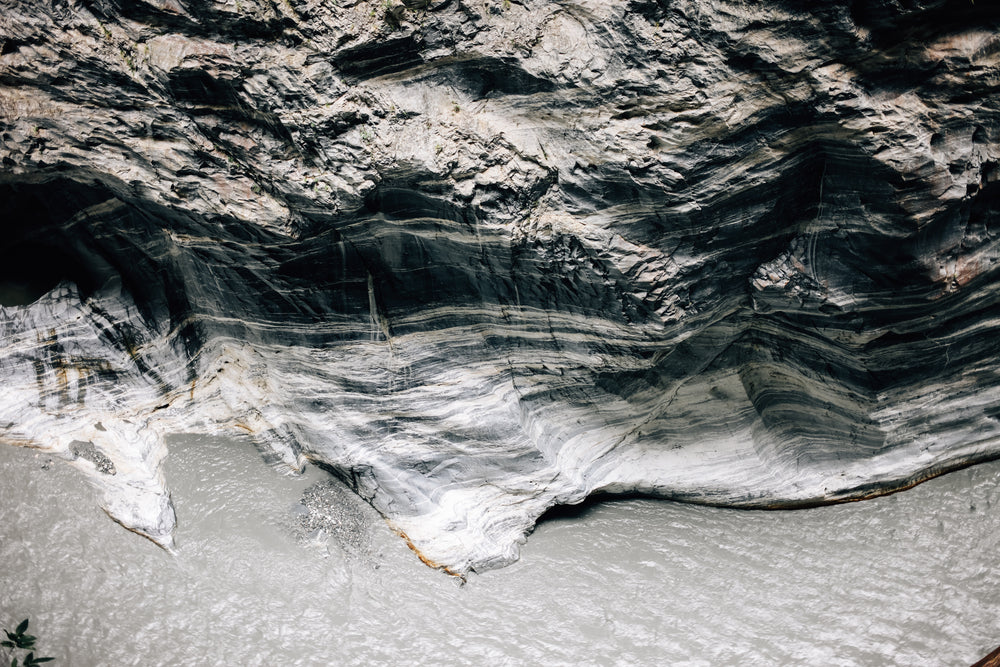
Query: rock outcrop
481, 258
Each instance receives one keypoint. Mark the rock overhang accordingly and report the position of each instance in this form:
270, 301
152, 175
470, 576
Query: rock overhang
752, 269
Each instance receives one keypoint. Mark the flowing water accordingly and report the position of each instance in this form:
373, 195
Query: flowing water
266, 573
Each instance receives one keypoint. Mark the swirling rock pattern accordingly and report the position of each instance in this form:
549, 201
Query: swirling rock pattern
481, 258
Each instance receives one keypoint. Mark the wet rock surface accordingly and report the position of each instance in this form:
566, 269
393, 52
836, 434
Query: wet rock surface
485, 258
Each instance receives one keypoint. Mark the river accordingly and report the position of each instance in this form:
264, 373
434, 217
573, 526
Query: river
264, 575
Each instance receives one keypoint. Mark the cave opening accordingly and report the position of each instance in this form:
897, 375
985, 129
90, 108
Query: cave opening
30, 269
39, 249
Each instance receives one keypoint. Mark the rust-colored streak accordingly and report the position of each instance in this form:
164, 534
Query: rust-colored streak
54, 351
15, 441
244, 427
870, 494
992, 660
62, 377
424, 559
136, 531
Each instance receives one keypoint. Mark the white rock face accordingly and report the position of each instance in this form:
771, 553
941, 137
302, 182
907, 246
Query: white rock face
481, 258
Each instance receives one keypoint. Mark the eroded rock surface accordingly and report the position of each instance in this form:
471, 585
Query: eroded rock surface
482, 258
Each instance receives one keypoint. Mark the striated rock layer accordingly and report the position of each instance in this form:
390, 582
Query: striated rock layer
481, 258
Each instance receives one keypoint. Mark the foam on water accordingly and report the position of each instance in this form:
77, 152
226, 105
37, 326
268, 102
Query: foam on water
273, 569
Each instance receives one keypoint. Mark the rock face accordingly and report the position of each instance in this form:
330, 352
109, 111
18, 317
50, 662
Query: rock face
481, 258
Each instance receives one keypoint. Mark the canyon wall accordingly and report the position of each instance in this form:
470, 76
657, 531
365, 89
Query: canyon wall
481, 258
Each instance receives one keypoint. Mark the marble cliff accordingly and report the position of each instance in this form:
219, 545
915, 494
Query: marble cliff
483, 257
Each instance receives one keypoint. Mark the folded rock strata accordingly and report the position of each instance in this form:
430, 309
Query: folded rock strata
482, 258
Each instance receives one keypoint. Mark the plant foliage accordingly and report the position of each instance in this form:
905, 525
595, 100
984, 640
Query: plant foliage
19, 640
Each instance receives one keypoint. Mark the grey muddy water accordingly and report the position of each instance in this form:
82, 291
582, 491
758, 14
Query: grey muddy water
293, 570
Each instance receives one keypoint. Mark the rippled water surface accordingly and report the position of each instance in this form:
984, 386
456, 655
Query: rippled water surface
262, 576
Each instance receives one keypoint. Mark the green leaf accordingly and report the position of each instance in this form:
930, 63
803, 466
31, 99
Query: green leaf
13, 663
10, 635
22, 627
8, 644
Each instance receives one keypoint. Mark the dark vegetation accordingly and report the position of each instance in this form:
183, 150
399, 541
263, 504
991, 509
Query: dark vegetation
21, 646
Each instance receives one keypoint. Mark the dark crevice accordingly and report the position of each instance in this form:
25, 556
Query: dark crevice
586, 508
379, 58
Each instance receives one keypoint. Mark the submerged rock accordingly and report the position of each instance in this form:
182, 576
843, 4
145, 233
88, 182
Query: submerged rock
483, 258
328, 509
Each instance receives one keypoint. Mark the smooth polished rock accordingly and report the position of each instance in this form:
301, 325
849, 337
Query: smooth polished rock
482, 258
